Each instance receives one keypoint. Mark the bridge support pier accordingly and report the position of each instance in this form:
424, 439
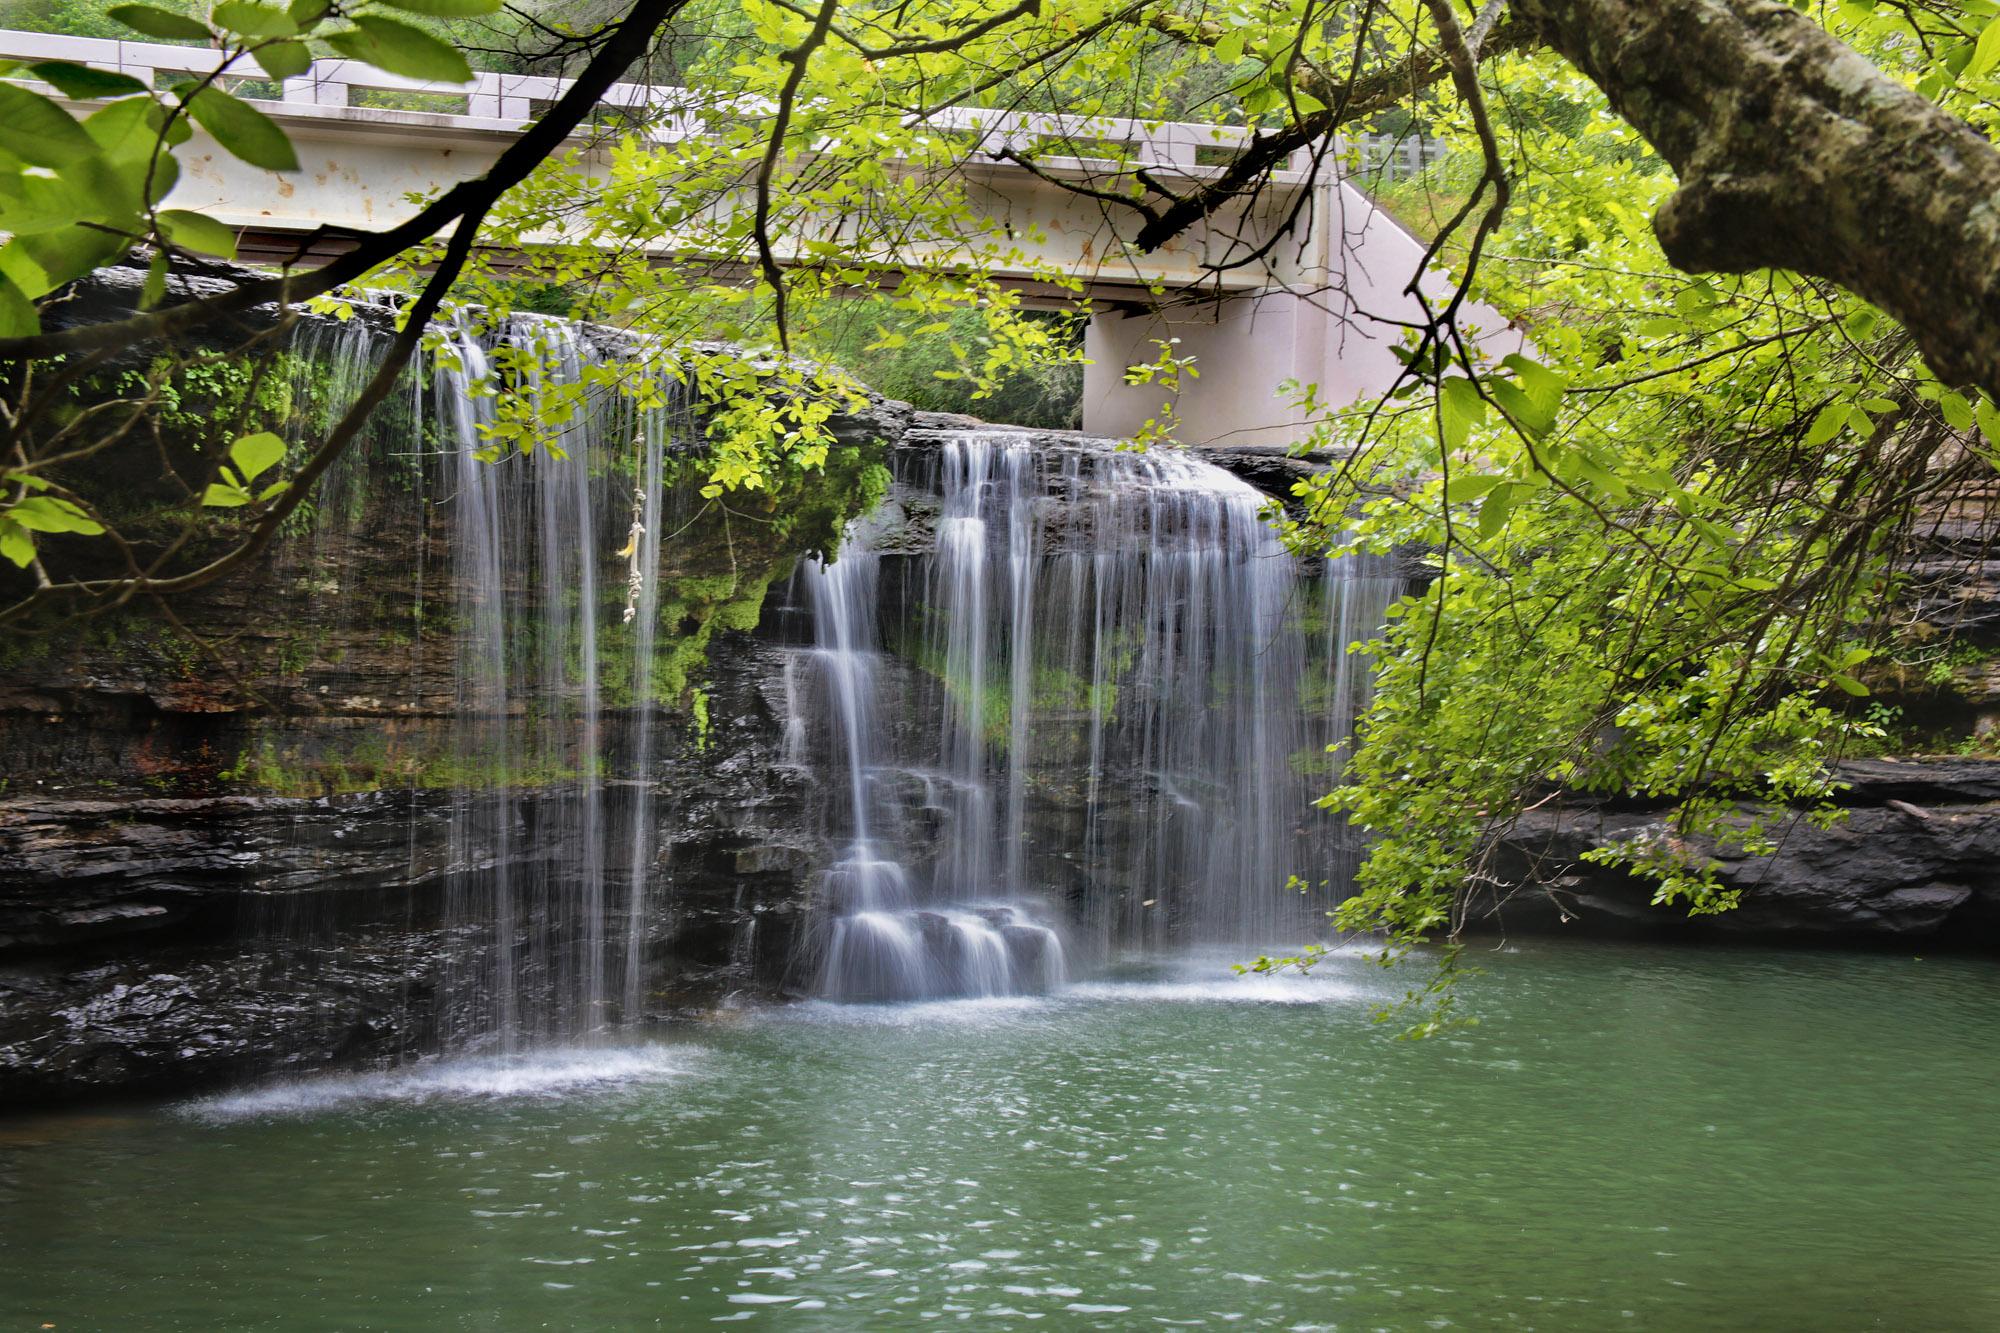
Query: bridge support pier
1338, 310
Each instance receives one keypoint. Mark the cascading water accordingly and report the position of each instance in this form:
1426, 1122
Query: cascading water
1067, 699
548, 942
1094, 694
882, 945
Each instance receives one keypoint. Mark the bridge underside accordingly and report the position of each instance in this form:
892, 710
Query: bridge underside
1322, 304
1324, 308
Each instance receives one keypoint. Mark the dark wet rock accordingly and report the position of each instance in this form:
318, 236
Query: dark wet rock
167, 943
1271, 468
1916, 857
182, 1018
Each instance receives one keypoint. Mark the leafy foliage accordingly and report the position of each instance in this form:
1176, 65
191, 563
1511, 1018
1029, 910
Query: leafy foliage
1660, 556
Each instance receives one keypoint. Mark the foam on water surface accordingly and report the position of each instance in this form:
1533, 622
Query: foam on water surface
552, 1073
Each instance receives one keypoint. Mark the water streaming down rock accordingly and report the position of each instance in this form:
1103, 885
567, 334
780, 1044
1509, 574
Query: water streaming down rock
546, 943
1066, 681
1070, 699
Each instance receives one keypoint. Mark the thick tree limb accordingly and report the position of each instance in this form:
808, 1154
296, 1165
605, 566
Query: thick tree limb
1795, 152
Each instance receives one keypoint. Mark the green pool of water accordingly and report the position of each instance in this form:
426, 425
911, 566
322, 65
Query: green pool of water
1634, 1138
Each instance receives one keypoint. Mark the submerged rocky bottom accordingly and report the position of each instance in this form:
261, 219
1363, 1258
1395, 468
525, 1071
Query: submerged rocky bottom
1634, 1137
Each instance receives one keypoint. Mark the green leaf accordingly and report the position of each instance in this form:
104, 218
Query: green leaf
18, 317
1713, 533
1493, 511
255, 454
1986, 52
241, 128
1988, 418
20, 268
284, 60
193, 231
155, 289
1469, 487
1460, 408
1849, 684
253, 20
448, 9
1826, 425
157, 22
42, 203
48, 513
1544, 387
67, 254
15, 543
1956, 411
222, 495
83, 83
1537, 419
124, 131
39, 132
401, 49
303, 12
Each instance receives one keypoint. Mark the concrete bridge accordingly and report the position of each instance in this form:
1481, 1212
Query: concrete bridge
1323, 305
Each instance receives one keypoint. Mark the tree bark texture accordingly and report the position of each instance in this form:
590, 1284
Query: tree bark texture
1795, 152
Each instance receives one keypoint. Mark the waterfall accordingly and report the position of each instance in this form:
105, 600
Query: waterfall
547, 910
1092, 711
1059, 700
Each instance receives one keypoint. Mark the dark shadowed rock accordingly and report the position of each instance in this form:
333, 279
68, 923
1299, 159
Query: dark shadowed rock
1915, 857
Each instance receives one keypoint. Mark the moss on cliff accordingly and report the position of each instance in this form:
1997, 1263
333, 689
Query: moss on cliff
333, 667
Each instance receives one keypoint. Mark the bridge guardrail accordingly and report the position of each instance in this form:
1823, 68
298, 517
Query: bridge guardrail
503, 103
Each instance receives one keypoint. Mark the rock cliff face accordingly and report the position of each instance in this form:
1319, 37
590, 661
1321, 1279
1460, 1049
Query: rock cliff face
163, 942
229, 833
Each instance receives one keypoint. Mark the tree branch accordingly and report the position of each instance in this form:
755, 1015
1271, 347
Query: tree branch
1795, 152
535, 145
1370, 94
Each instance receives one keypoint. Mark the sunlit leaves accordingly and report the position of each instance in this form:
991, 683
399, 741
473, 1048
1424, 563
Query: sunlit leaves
156, 22
34, 513
1460, 408
197, 232
449, 9
83, 82
1986, 52
1644, 578
252, 455
253, 20
282, 60
39, 132
400, 49
18, 318
240, 128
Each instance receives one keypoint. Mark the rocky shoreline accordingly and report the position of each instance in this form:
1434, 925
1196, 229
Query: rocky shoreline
1915, 857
